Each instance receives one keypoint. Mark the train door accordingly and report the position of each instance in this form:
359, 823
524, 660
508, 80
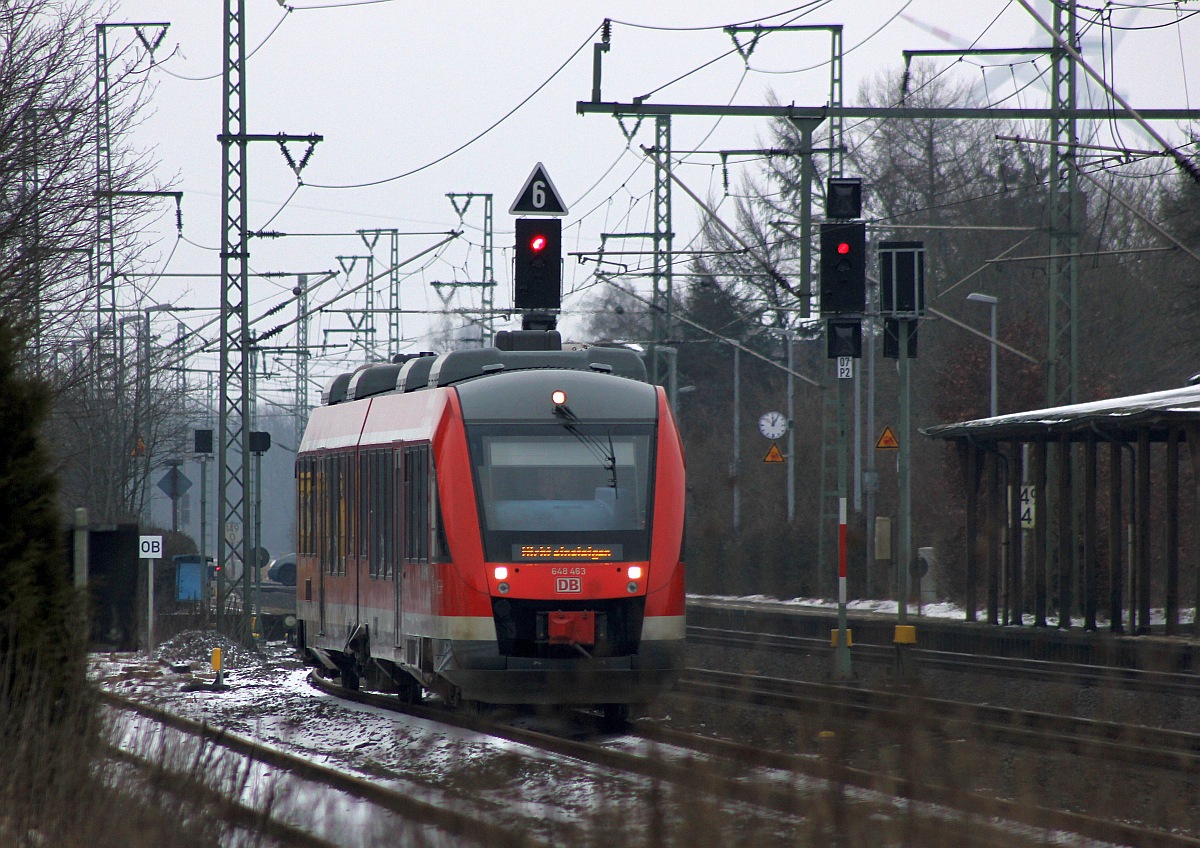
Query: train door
395, 535
328, 542
360, 507
414, 536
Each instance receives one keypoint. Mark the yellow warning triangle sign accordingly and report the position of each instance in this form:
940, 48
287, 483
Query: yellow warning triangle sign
773, 455
887, 440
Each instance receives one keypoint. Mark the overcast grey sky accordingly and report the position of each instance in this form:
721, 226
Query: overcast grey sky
394, 85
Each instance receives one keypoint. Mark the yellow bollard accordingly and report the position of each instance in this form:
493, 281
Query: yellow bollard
216, 664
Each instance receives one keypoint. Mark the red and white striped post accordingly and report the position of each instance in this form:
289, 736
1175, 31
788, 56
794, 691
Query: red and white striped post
841, 552
841, 651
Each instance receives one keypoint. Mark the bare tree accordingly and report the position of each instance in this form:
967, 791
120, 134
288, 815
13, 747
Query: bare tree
49, 195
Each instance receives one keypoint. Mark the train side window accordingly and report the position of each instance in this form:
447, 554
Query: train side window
416, 503
396, 507
376, 534
387, 533
300, 506
362, 545
441, 548
304, 505
349, 492
319, 507
333, 512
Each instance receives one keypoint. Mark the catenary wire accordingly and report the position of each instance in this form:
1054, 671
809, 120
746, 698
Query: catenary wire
845, 53
811, 6
163, 66
471, 141
346, 5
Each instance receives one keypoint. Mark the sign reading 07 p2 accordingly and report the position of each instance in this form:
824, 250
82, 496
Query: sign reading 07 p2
565, 553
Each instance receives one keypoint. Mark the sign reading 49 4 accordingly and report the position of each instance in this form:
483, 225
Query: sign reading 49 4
1028, 507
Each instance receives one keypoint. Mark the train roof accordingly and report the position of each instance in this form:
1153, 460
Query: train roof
458, 366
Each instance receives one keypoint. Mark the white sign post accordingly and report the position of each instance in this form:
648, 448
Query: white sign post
150, 549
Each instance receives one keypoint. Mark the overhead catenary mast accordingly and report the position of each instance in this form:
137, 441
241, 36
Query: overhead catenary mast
233, 450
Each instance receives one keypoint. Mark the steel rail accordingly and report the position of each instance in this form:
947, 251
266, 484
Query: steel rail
1169, 750
468, 828
1111, 677
197, 792
728, 781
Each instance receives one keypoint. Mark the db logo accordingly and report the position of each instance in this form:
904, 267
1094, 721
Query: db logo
568, 584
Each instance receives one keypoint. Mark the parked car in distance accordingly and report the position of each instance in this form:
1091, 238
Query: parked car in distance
282, 570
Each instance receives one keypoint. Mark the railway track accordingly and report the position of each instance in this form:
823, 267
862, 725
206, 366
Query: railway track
663, 780
789, 784
1106, 741
301, 810
1139, 681
901, 715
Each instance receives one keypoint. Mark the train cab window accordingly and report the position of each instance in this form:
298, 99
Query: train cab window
557, 486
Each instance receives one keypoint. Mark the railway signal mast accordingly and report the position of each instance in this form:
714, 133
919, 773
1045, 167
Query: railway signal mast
843, 256
537, 252
902, 303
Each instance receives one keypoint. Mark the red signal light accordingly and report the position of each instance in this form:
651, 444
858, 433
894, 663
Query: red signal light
537, 244
843, 248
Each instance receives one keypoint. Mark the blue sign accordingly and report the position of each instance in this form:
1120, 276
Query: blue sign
189, 581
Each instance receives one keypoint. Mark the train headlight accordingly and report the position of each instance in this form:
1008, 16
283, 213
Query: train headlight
632, 587
635, 572
501, 572
558, 397
503, 587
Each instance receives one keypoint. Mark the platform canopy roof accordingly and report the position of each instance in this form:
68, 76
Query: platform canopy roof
1118, 419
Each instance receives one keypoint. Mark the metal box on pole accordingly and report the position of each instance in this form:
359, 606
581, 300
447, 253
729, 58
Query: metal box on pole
902, 279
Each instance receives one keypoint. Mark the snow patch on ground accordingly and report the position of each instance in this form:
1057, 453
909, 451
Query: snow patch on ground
937, 609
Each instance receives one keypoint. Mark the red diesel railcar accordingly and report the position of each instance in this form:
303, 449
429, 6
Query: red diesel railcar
496, 526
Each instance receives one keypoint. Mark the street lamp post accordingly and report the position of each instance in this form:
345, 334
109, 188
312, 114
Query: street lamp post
990, 301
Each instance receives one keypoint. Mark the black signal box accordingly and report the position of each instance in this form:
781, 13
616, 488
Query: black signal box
843, 268
902, 278
843, 198
537, 272
843, 338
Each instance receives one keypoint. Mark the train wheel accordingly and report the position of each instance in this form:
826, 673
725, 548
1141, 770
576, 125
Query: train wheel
615, 717
409, 692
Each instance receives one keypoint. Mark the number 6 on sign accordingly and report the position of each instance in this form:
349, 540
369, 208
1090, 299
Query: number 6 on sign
538, 196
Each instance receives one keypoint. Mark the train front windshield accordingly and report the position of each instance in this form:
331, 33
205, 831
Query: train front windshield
564, 491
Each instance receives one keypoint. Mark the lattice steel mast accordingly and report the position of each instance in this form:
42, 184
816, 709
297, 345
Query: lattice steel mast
233, 451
